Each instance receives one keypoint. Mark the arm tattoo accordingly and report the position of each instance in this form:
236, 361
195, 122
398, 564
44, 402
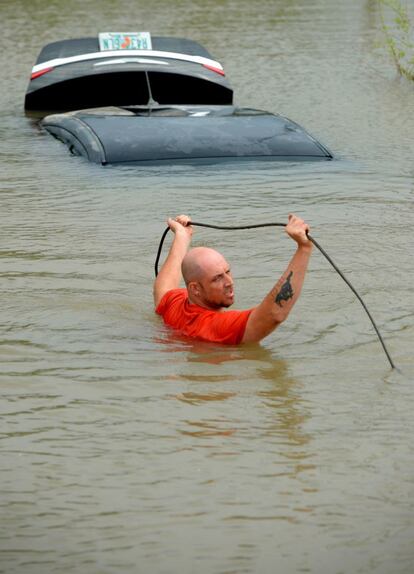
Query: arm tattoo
286, 291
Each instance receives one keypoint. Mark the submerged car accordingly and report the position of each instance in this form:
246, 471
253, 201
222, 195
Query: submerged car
130, 97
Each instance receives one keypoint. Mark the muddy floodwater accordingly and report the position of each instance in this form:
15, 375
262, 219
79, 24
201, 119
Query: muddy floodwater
127, 449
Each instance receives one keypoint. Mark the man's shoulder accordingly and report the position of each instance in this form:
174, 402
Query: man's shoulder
173, 295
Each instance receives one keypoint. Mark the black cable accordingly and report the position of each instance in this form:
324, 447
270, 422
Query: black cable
239, 227
225, 228
358, 296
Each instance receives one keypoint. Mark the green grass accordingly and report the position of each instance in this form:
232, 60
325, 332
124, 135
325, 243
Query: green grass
399, 34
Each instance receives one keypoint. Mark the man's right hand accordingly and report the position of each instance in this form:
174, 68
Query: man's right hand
181, 224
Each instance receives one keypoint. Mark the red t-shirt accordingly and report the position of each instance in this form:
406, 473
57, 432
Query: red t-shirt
200, 323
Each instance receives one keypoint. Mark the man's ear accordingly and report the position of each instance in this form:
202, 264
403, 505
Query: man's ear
193, 288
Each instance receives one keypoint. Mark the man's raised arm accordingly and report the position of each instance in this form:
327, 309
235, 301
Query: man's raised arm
277, 304
169, 276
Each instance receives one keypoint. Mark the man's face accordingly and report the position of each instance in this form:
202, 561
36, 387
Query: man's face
216, 287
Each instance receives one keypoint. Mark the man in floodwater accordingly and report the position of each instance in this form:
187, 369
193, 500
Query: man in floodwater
199, 310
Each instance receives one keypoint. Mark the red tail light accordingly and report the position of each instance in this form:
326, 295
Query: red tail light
40, 73
213, 69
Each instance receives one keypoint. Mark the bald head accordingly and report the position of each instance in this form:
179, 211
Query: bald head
208, 278
199, 262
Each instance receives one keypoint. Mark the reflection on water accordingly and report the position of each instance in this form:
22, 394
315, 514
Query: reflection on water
207, 428
198, 398
283, 415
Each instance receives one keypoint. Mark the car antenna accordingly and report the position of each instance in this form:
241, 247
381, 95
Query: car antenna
151, 102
